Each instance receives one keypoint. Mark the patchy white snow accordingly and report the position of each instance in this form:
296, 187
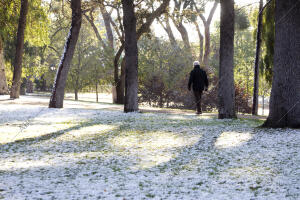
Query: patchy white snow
91, 151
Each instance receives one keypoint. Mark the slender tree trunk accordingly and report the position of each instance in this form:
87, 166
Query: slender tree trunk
15, 88
285, 95
207, 44
97, 98
76, 94
3, 83
256, 64
121, 85
169, 31
106, 18
131, 57
263, 104
29, 86
200, 42
184, 34
117, 95
226, 91
57, 97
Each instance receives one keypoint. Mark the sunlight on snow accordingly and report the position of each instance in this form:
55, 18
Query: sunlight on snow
232, 139
11, 133
23, 164
154, 148
249, 173
88, 130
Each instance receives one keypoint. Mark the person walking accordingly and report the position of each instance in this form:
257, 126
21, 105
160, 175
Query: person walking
198, 79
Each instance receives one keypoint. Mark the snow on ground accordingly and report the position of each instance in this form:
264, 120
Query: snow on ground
93, 151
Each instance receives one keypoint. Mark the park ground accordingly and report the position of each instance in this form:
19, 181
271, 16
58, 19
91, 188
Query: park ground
95, 151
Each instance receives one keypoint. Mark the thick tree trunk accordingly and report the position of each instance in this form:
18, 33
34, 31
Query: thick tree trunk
226, 91
3, 83
256, 64
57, 97
285, 94
15, 88
131, 57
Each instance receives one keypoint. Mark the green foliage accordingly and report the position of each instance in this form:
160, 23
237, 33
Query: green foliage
268, 39
241, 19
91, 65
244, 60
161, 71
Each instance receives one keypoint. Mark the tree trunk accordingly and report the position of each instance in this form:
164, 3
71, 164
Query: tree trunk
117, 95
256, 64
3, 83
169, 31
76, 94
15, 88
109, 33
184, 34
97, 98
121, 85
285, 95
263, 104
29, 86
200, 42
131, 57
57, 97
207, 45
226, 91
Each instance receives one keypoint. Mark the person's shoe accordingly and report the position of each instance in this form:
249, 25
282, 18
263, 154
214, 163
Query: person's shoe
198, 113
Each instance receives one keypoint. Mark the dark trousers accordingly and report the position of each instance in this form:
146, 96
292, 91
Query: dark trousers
198, 95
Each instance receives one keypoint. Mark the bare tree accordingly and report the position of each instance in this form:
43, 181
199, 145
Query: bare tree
15, 88
285, 95
57, 97
226, 90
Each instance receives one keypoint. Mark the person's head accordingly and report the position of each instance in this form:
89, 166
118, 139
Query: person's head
196, 63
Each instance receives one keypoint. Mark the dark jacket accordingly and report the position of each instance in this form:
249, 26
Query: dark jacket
198, 79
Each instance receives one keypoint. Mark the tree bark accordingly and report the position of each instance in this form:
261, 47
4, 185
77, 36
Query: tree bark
76, 94
143, 29
257, 57
91, 21
207, 33
120, 89
109, 33
184, 34
131, 57
15, 88
29, 86
3, 83
57, 97
169, 31
200, 42
226, 91
285, 95
97, 98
